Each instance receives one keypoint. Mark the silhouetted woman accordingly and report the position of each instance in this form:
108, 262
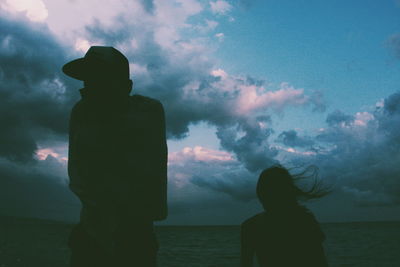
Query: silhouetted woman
286, 233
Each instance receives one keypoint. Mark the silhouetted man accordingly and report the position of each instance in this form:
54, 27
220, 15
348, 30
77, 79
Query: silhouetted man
117, 164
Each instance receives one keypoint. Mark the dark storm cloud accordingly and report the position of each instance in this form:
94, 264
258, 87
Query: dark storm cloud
338, 117
37, 189
35, 103
239, 185
35, 99
361, 154
292, 139
211, 170
392, 105
252, 149
389, 119
357, 154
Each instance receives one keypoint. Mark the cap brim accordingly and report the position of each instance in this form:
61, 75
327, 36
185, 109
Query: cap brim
76, 69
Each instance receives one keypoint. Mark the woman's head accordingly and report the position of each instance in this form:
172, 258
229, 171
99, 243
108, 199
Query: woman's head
276, 188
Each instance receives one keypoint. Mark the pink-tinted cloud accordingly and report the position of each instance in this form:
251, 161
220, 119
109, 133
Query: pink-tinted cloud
42, 153
253, 98
199, 153
34, 10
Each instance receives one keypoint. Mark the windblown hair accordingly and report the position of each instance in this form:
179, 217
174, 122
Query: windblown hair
278, 180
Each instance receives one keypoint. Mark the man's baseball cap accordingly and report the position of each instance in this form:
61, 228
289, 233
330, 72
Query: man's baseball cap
99, 62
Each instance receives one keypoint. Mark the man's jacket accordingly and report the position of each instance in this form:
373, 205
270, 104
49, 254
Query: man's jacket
118, 160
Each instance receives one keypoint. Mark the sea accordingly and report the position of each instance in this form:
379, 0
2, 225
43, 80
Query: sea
42, 243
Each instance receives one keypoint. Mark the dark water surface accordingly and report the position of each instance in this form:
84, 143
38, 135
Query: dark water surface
34, 243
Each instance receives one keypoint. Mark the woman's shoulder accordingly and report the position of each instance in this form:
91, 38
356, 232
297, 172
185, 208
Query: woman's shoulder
304, 215
254, 220
300, 219
309, 224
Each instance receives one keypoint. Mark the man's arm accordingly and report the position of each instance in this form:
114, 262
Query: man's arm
160, 196
77, 182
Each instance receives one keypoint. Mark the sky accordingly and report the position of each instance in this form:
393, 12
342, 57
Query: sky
245, 84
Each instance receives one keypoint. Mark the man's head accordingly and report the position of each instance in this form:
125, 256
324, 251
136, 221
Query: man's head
102, 68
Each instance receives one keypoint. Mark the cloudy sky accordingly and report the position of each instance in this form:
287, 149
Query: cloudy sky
244, 83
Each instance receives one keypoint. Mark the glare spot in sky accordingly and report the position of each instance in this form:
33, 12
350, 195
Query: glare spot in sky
82, 45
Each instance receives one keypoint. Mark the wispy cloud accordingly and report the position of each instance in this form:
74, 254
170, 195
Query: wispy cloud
220, 7
393, 43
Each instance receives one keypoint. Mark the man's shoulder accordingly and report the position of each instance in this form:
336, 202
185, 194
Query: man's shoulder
145, 101
78, 106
